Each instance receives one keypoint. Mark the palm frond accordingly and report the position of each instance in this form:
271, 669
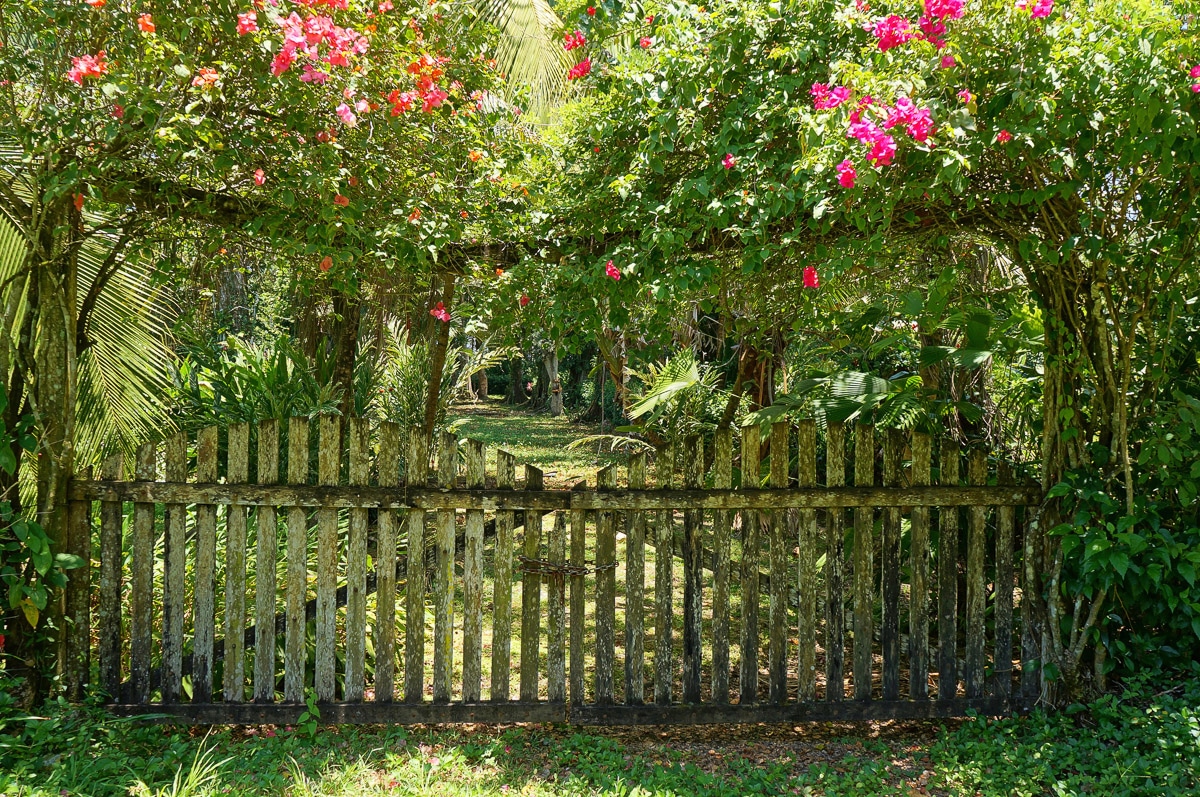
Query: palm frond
528, 50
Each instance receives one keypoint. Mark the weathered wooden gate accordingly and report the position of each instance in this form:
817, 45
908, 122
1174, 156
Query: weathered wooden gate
382, 590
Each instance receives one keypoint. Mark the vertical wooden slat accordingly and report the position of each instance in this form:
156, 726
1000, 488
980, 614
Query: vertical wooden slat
835, 553
693, 572
918, 611
578, 599
606, 592
294, 654
237, 472
722, 480
1032, 629
635, 589
556, 633
948, 577
777, 614
473, 580
976, 586
417, 474
531, 595
204, 617
751, 546
356, 565
506, 478
1002, 661
443, 575
142, 600
264, 567
328, 469
864, 520
664, 561
890, 564
109, 617
806, 450
78, 596
175, 519
385, 569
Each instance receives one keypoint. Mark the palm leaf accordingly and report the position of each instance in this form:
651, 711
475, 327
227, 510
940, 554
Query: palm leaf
529, 50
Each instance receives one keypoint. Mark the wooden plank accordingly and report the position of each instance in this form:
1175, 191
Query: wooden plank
443, 574
142, 599
174, 568
722, 522
237, 472
385, 569
1002, 658
693, 572
78, 598
664, 562
806, 451
890, 564
777, 609
949, 459
109, 616
556, 632
265, 577
417, 473
329, 462
791, 713
506, 479
578, 598
204, 617
473, 581
531, 596
864, 520
606, 593
976, 579
356, 565
835, 553
1032, 628
635, 589
295, 636
368, 713
751, 546
918, 611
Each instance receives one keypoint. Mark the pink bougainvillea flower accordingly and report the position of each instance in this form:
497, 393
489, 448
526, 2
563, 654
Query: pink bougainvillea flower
810, 277
825, 98
440, 312
312, 75
573, 40
362, 106
645, 42
85, 66
1195, 71
892, 31
260, 177
385, 6
1004, 136
883, 150
1196, 88
729, 161
247, 23
932, 30
846, 173
206, 78
949, 62
347, 115
282, 62
524, 300
402, 101
948, 9
432, 99
612, 271
1041, 9
146, 23
340, 199
326, 263
966, 96
118, 111
580, 69
591, 11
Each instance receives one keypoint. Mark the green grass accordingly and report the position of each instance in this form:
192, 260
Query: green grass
1141, 743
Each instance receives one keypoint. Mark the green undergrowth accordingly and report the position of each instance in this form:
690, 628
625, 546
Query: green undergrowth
1144, 742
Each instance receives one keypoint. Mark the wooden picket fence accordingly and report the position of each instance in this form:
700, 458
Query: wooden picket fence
346, 623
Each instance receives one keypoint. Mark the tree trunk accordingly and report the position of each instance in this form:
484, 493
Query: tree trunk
347, 312
437, 364
556, 403
516, 382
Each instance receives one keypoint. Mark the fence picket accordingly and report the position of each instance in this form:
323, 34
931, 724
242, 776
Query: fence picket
777, 616
206, 558
578, 599
473, 580
77, 598
806, 451
506, 478
108, 620
141, 609
890, 564
918, 607
864, 520
531, 595
356, 565
294, 657
1002, 659
443, 574
328, 470
556, 639
264, 567
835, 553
606, 592
174, 567
751, 546
948, 577
693, 572
385, 569
237, 472
664, 556
416, 475
722, 479
635, 589
976, 586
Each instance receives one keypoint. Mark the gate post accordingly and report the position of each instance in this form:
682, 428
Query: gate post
77, 628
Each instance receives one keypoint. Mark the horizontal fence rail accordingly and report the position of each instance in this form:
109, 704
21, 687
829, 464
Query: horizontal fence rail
842, 573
